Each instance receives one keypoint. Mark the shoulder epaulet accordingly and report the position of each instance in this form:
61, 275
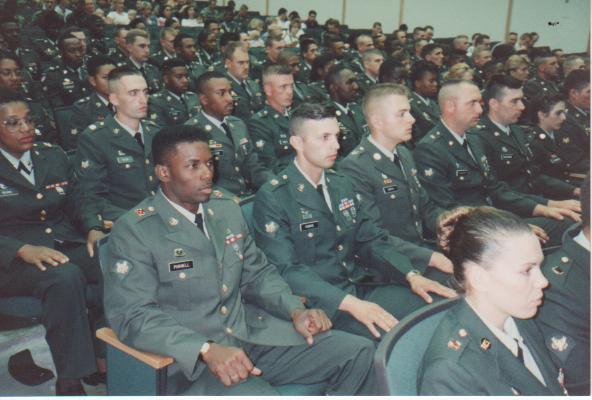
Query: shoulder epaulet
556, 266
359, 150
222, 194
83, 100
434, 136
144, 210
263, 113
156, 95
278, 181
150, 123
43, 145
190, 93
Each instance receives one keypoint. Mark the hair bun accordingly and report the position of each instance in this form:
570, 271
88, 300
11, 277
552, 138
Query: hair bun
447, 222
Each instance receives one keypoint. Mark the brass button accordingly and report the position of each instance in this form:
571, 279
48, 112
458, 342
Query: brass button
182, 275
340, 248
224, 288
39, 196
564, 260
48, 230
43, 212
224, 310
147, 161
150, 178
310, 234
228, 330
236, 169
42, 218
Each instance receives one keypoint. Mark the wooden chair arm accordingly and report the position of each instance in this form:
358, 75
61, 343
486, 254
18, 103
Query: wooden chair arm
154, 360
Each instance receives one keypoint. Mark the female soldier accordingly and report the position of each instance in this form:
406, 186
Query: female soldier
487, 344
41, 252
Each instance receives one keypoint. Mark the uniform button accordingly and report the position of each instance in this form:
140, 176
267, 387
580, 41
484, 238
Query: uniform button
236, 169
228, 330
150, 178
344, 263
338, 228
43, 212
48, 230
152, 193
340, 248
564, 260
147, 161
42, 218
224, 310
310, 235
224, 288
393, 196
182, 275
39, 196
507, 162
414, 207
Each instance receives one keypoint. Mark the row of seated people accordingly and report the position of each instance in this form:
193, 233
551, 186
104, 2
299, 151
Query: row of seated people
332, 235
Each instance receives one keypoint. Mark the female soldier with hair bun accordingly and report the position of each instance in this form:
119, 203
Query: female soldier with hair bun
487, 343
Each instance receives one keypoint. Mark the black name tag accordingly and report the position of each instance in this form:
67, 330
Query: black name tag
507, 156
125, 160
306, 226
390, 189
180, 265
462, 172
217, 153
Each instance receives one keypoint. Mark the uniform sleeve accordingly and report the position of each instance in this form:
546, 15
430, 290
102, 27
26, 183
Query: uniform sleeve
448, 378
553, 188
158, 114
8, 249
272, 233
131, 303
261, 135
433, 175
257, 171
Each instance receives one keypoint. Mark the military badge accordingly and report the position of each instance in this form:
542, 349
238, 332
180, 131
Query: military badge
271, 227
559, 343
259, 144
217, 194
454, 345
565, 140
428, 172
300, 187
450, 143
305, 214
274, 182
116, 130
496, 133
172, 221
210, 212
485, 344
140, 212
179, 252
542, 136
338, 113
122, 267
564, 260
92, 127
85, 164
73, 131
376, 156
462, 332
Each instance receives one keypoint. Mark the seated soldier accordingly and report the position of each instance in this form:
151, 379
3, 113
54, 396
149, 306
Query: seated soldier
185, 279
564, 317
424, 82
308, 52
65, 82
248, 98
11, 79
43, 254
383, 173
543, 82
174, 104
269, 128
167, 48
371, 61
554, 158
185, 50
455, 171
137, 43
238, 168
120, 54
11, 33
96, 107
51, 23
310, 224
302, 91
207, 47
508, 150
273, 46
114, 158
342, 85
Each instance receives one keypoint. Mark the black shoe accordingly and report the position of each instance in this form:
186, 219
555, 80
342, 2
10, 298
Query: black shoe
72, 389
95, 378
22, 368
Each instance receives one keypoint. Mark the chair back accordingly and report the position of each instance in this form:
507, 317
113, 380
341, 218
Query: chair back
400, 352
102, 252
246, 205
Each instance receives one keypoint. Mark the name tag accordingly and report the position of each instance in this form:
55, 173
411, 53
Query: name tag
6, 191
507, 156
218, 153
462, 172
125, 160
180, 265
306, 226
390, 189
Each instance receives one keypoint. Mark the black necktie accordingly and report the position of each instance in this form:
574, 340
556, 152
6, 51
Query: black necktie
396, 159
322, 194
22, 168
138, 137
199, 222
111, 108
520, 355
467, 148
245, 88
228, 133
182, 100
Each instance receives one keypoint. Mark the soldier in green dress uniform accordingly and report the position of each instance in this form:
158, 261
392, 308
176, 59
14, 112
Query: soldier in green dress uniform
487, 344
310, 224
371, 61
167, 48
185, 279
137, 42
120, 53
303, 93
424, 83
174, 104
543, 83
185, 49
308, 53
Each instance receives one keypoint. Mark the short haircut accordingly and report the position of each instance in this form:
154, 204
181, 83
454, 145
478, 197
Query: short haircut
179, 39
274, 70
371, 53
62, 40
478, 50
309, 111
135, 33
170, 31
331, 38
229, 37
203, 37
577, 79
450, 88
272, 38
166, 140
120, 72
334, 76
542, 59
285, 56
205, 78
377, 93
420, 69
305, 44
392, 71
497, 84
571, 60
585, 201
119, 29
363, 35
232, 48
8, 96
429, 49
96, 62
168, 65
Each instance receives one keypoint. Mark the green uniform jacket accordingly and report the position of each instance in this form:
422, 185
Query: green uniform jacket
63, 86
238, 168
84, 112
452, 178
426, 115
118, 57
537, 87
305, 93
512, 162
195, 69
246, 103
384, 187
46, 49
365, 83
168, 289
304, 74
573, 138
39, 214
553, 158
314, 248
157, 59
167, 109
45, 127
270, 130
151, 74
564, 317
352, 126
113, 171
465, 358
29, 60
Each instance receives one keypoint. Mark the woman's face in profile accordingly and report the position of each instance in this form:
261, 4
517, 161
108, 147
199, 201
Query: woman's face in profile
513, 281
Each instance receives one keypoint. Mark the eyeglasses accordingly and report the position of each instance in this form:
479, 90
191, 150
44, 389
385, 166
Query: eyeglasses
13, 124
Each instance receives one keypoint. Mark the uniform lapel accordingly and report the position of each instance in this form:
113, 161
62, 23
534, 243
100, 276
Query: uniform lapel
122, 137
179, 229
39, 168
457, 150
221, 135
8, 172
381, 162
304, 193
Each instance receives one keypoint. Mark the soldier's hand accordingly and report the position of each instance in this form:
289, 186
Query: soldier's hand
310, 322
229, 364
107, 225
91, 238
555, 213
37, 255
577, 192
369, 314
573, 205
421, 286
440, 261
540, 233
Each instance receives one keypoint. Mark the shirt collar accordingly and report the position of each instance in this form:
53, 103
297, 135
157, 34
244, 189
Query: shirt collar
582, 240
183, 211
25, 158
503, 128
341, 107
314, 185
214, 121
424, 99
460, 139
382, 149
174, 95
130, 130
234, 78
139, 66
372, 79
103, 100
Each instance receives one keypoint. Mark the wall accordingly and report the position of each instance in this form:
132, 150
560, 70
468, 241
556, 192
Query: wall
451, 17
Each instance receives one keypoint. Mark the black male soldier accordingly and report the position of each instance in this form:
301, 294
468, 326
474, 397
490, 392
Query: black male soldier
185, 50
424, 82
238, 168
185, 279
174, 104
310, 224
384, 174
455, 171
113, 162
